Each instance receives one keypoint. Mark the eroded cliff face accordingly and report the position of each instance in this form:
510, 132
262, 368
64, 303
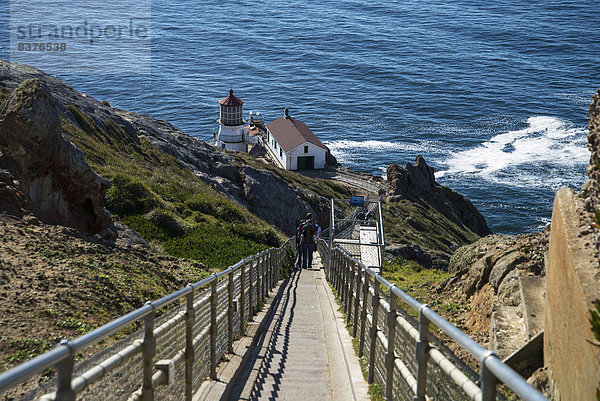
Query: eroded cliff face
417, 181
591, 190
42, 172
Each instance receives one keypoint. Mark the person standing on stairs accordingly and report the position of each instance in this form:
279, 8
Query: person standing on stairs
307, 241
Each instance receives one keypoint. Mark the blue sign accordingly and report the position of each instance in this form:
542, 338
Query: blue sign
357, 201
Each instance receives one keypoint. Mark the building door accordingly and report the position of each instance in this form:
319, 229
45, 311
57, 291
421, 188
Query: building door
306, 162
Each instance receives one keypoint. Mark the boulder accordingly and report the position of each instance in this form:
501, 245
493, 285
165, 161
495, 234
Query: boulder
411, 252
417, 181
56, 183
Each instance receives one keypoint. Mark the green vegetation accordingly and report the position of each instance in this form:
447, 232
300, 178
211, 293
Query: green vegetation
25, 92
326, 188
417, 222
413, 278
288, 264
161, 199
27, 348
4, 95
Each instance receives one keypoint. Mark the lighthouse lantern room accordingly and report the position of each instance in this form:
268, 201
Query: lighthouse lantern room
231, 134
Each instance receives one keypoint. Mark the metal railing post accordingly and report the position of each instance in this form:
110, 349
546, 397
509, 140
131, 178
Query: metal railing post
269, 272
263, 278
391, 351
213, 328
243, 299
190, 318
357, 300
148, 353
373, 332
487, 379
350, 304
258, 283
363, 314
422, 354
65, 392
251, 291
230, 286
345, 281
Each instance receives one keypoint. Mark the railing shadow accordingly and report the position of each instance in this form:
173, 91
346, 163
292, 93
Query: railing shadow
272, 367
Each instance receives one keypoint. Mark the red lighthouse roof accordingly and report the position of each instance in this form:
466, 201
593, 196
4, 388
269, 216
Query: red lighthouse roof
231, 100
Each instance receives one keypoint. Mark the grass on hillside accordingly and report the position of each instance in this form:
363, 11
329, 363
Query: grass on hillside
417, 222
157, 196
327, 188
422, 284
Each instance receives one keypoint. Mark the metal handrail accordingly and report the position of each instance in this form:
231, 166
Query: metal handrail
347, 274
62, 356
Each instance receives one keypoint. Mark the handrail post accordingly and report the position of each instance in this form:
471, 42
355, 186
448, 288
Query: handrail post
243, 299
251, 291
64, 391
373, 332
230, 286
422, 354
487, 379
351, 275
391, 351
357, 300
213, 328
269, 272
363, 314
190, 318
345, 270
148, 352
265, 275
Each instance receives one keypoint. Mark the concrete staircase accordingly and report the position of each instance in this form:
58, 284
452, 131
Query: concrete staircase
516, 332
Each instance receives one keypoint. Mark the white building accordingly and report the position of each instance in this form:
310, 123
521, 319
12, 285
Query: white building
293, 145
232, 135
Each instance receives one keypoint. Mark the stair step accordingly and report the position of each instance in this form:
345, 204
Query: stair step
507, 330
533, 303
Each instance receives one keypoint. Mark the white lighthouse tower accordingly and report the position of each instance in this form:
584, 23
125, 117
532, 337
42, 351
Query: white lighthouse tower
231, 134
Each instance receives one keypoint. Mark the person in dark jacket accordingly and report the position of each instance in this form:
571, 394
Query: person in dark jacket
307, 241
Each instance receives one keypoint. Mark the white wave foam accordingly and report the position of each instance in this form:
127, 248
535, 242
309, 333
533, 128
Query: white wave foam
542, 154
345, 150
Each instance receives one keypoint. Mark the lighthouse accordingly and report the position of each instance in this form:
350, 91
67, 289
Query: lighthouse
231, 134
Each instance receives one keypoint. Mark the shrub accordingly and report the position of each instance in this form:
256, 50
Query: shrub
128, 197
167, 223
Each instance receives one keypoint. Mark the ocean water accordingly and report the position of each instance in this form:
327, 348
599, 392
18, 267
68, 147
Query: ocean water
494, 95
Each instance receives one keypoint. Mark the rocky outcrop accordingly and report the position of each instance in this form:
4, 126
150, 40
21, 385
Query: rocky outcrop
417, 181
411, 252
592, 189
42, 171
497, 259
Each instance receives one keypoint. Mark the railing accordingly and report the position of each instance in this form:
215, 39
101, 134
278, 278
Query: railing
170, 356
403, 355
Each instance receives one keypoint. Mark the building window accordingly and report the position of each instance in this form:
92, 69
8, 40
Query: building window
280, 153
306, 149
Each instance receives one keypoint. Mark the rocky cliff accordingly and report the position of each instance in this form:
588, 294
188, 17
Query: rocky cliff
43, 172
417, 181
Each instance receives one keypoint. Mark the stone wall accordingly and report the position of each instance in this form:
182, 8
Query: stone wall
573, 280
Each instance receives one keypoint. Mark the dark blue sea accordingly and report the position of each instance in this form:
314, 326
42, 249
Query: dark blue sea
494, 94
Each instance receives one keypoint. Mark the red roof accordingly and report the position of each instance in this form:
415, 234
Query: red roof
290, 133
231, 100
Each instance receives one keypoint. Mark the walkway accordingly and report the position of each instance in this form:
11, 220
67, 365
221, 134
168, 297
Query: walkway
310, 356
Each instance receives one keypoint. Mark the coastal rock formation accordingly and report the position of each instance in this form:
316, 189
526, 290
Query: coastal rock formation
593, 169
493, 258
417, 181
54, 181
